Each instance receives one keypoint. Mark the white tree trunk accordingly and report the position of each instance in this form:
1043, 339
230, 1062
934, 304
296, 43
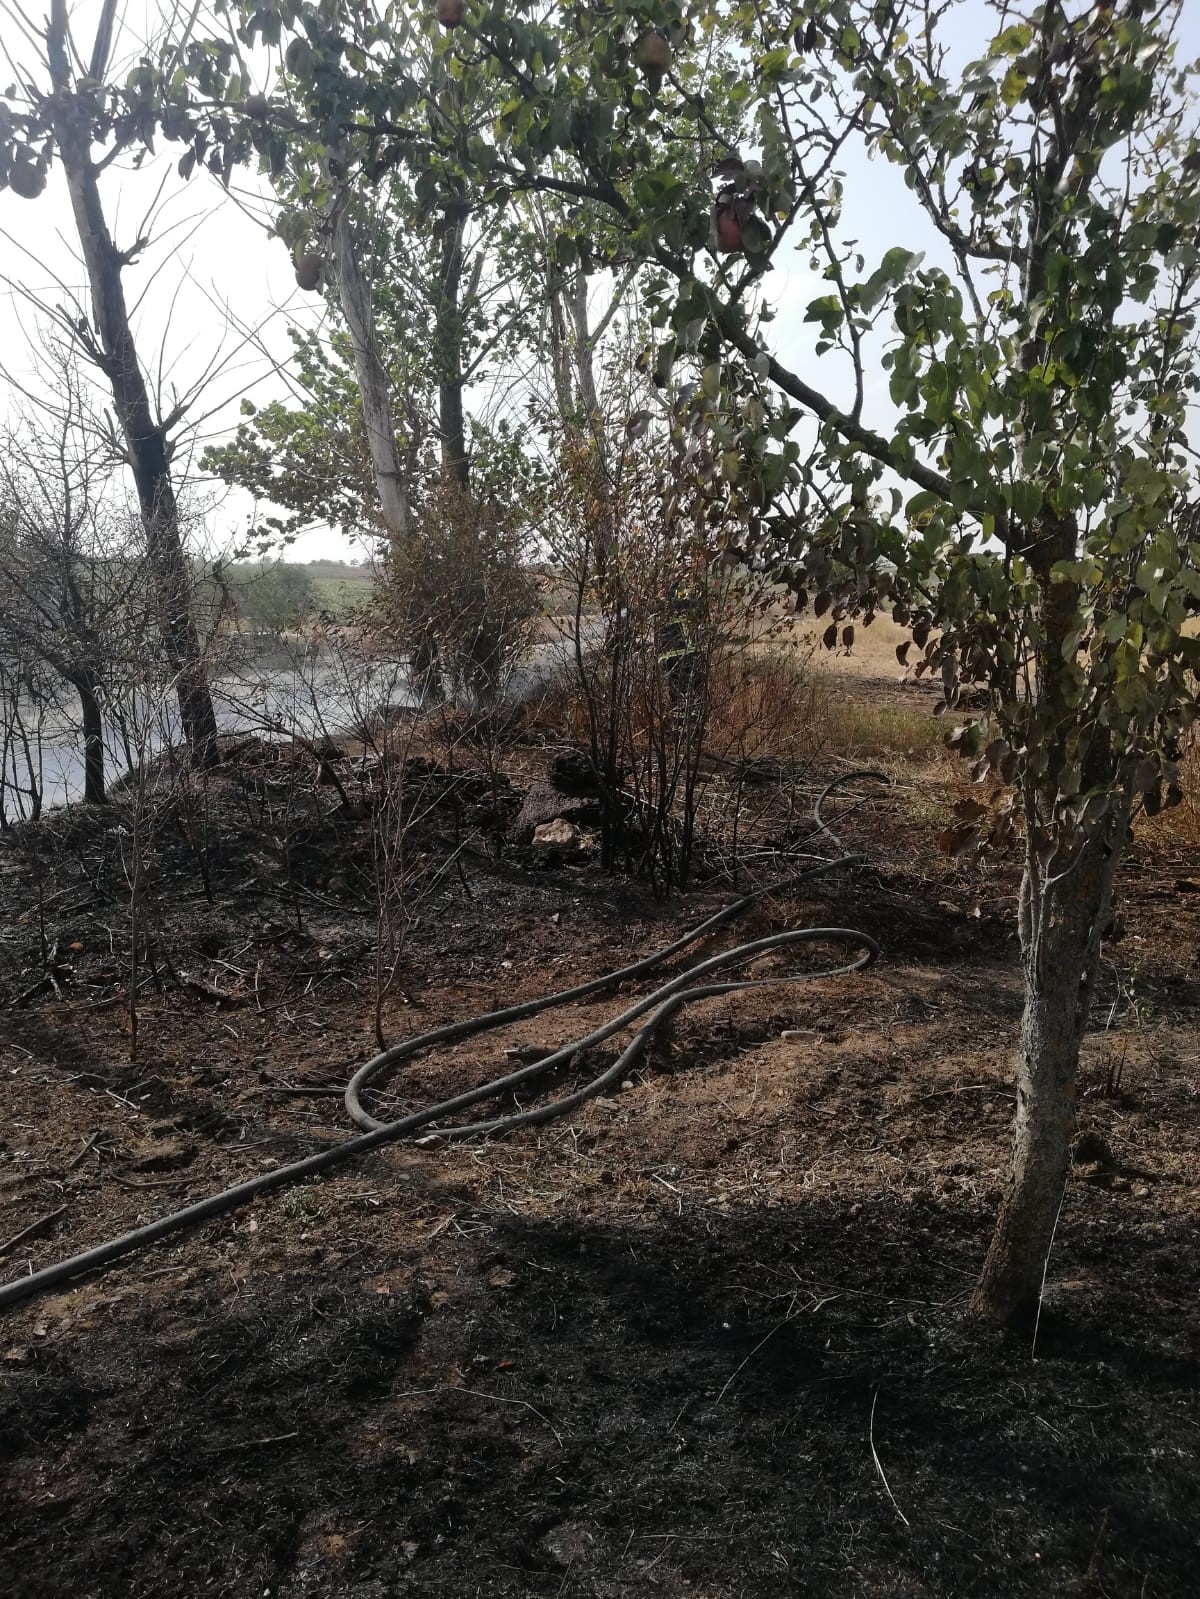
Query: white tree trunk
354, 295
1062, 918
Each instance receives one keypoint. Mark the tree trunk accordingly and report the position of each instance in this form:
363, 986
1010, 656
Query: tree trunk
589, 400
561, 372
354, 296
579, 398
1064, 909
374, 388
576, 290
93, 740
145, 439
449, 345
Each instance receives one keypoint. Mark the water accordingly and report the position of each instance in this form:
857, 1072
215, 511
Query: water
276, 694
275, 698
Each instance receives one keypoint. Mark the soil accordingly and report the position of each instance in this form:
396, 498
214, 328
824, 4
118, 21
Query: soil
707, 1336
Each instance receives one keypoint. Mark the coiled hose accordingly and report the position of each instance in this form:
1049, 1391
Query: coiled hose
657, 1007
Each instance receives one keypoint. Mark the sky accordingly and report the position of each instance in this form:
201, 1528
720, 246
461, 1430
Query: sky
213, 290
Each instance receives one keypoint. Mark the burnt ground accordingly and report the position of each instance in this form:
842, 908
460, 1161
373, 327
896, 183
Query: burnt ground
705, 1337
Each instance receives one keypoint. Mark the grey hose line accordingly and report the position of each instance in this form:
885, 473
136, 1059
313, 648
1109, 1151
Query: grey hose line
399, 1053
676, 999
664, 1002
447, 1034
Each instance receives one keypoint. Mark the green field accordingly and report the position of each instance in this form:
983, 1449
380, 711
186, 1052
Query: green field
281, 592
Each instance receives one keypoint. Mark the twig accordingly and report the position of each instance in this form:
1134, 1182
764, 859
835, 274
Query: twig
1037, 1320
791, 1316
878, 1462
300, 1088
503, 1399
27, 994
692, 1537
152, 1182
34, 1227
121, 1100
964, 1088
78, 1159
253, 1443
210, 990
1089, 1575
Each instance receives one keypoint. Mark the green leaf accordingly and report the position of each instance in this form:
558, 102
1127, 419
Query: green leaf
896, 265
1027, 501
828, 311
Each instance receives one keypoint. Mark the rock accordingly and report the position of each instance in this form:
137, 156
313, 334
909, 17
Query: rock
545, 803
558, 834
1091, 1148
162, 1152
572, 772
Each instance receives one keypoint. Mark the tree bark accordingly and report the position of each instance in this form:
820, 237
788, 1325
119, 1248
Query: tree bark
576, 292
354, 296
1064, 907
448, 337
1062, 920
573, 362
93, 740
387, 470
145, 439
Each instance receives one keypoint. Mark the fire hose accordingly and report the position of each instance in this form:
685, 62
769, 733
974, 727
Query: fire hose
694, 982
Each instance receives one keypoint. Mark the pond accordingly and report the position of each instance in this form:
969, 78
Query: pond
275, 692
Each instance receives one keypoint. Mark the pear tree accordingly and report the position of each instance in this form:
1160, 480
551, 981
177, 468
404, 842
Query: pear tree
992, 434
1019, 490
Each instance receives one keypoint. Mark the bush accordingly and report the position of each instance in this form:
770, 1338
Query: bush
459, 600
673, 669
274, 599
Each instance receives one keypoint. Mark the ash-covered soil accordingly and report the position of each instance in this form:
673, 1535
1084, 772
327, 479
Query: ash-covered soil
706, 1336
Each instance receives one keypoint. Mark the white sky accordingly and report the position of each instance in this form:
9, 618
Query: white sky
211, 268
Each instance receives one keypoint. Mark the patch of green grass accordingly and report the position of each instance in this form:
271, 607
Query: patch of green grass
302, 1204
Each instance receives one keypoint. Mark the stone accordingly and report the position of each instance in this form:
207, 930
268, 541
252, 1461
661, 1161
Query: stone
162, 1152
572, 772
545, 803
558, 834
1091, 1148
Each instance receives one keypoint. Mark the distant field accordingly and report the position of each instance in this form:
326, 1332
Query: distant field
268, 589
338, 584
341, 591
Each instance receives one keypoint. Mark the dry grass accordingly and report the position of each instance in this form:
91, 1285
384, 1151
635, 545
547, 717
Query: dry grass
782, 701
1178, 829
859, 729
770, 702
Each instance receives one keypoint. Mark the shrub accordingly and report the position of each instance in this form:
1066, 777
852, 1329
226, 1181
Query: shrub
459, 600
